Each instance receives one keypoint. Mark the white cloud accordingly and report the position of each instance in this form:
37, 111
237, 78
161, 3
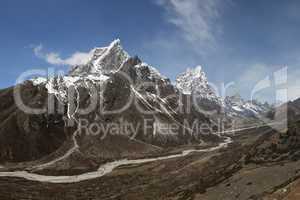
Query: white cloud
54, 58
195, 19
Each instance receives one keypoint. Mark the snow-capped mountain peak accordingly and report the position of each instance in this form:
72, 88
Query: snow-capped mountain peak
237, 106
103, 63
194, 82
197, 72
104, 60
193, 79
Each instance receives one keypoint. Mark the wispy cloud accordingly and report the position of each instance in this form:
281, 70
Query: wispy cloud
253, 74
197, 20
271, 84
54, 58
194, 36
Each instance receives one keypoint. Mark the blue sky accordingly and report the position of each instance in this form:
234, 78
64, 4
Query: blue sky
234, 40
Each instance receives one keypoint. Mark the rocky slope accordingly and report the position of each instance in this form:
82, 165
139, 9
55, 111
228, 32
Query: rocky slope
25, 136
282, 145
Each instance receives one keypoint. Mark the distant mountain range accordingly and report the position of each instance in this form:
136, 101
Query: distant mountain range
194, 82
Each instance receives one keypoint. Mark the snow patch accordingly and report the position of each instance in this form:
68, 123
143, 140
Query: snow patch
39, 81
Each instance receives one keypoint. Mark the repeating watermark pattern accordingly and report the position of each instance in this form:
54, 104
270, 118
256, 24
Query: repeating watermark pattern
65, 98
150, 126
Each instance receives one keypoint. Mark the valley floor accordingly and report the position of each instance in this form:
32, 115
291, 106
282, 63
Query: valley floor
211, 175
